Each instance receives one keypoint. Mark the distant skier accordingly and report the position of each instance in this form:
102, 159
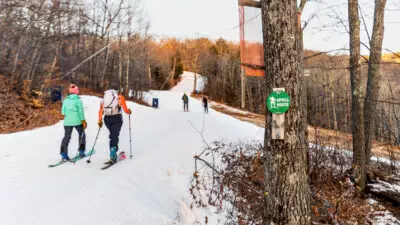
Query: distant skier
74, 117
185, 99
205, 104
111, 108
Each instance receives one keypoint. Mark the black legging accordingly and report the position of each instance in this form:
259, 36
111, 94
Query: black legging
67, 138
113, 124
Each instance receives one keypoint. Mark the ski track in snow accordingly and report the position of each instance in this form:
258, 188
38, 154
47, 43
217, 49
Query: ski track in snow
151, 189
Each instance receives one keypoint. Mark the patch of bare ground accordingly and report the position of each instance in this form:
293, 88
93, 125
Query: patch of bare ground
19, 113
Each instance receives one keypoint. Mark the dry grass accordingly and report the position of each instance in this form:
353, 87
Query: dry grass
240, 182
17, 113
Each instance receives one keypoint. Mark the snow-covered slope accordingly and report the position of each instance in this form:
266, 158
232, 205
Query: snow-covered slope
187, 82
151, 189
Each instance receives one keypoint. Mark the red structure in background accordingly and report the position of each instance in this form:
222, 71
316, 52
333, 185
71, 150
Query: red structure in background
251, 46
251, 40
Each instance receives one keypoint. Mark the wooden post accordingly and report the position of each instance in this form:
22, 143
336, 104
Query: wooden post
243, 83
250, 3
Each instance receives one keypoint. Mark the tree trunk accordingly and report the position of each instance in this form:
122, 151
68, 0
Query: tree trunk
105, 62
326, 99
127, 75
171, 81
120, 70
335, 123
285, 161
28, 74
149, 75
16, 61
357, 115
303, 85
195, 83
33, 75
249, 93
348, 112
373, 84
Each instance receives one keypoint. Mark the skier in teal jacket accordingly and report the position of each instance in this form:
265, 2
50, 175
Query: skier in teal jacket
74, 117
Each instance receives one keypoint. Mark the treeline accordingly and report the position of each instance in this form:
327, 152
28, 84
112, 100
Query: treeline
329, 99
106, 42
94, 44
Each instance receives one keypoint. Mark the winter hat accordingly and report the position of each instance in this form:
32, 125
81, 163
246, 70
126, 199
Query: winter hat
73, 89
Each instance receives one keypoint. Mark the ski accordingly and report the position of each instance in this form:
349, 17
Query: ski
57, 164
75, 159
109, 164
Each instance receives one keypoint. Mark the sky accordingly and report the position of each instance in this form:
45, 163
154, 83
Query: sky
220, 18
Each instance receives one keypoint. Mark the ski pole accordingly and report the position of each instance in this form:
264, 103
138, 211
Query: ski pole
130, 136
80, 142
90, 156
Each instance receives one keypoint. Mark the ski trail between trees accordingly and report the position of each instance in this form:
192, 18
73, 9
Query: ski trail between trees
150, 189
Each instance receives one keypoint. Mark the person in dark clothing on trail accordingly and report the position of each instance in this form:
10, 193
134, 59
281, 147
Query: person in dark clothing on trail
111, 108
205, 104
185, 99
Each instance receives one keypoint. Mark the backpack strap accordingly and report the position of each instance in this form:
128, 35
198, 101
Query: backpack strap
110, 102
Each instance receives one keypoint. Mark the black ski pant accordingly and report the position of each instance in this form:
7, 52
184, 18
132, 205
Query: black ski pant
113, 124
185, 106
206, 109
67, 138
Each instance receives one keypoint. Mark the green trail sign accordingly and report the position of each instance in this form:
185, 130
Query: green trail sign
278, 102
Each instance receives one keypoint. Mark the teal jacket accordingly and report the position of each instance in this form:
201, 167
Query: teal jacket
72, 109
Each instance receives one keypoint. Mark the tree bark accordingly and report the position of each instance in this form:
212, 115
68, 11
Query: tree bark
16, 59
120, 70
195, 82
326, 99
301, 69
373, 84
357, 115
335, 123
171, 81
149, 75
105, 62
127, 75
285, 161
28, 74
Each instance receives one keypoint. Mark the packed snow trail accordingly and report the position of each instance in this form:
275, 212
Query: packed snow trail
150, 189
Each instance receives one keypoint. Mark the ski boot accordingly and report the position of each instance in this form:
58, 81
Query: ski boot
64, 157
113, 154
81, 153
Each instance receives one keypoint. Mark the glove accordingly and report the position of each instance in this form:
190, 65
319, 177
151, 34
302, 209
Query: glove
129, 111
84, 124
100, 123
